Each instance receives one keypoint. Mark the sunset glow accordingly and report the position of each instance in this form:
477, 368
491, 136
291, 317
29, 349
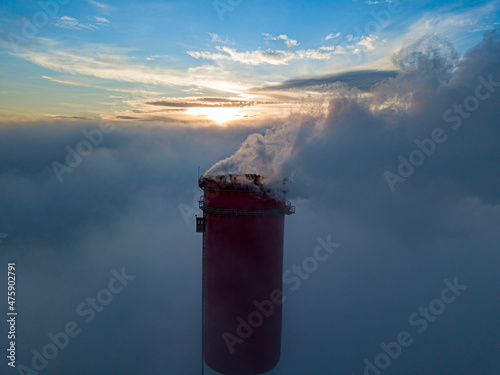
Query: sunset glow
218, 115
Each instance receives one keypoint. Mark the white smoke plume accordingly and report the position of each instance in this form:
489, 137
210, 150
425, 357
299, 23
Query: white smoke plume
265, 154
364, 131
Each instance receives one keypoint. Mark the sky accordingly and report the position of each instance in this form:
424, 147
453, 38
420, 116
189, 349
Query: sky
382, 116
154, 61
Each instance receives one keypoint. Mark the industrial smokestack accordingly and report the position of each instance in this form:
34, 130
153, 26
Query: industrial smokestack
243, 228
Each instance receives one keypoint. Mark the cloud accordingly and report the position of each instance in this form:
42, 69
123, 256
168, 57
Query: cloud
217, 39
128, 118
368, 42
98, 4
332, 36
411, 103
114, 64
375, 2
452, 22
361, 79
289, 42
67, 22
205, 109
428, 55
356, 45
67, 82
102, 198
101, 20
200, 102
259, 57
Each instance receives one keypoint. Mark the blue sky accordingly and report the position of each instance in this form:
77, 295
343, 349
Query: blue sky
87, 57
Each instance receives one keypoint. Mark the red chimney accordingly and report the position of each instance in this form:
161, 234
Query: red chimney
242, 273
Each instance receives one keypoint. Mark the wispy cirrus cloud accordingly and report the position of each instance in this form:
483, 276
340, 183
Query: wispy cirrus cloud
67, 22
259, 57
101, 20
375, 2
204, 102
451, 22
217, 39
66, 82
354, 45
98, 4
110, 63
332, 36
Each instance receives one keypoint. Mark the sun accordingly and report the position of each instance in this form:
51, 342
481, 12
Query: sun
218, 115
